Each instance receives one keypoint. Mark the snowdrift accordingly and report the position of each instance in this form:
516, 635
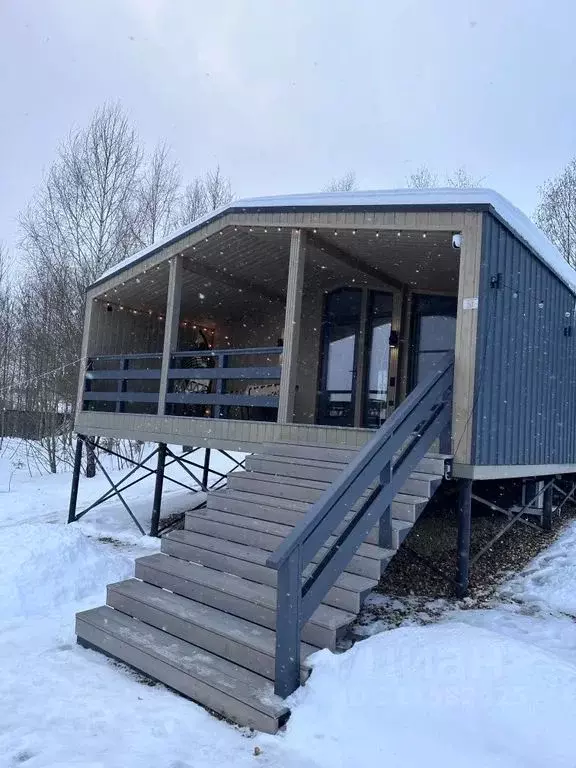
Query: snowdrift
44, 565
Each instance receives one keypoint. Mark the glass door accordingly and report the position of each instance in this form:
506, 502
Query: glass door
341, 328
378, 350
355, 358
433, 333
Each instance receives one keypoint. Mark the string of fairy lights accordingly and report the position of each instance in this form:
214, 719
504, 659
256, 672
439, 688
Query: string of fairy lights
53, 372
113, 307
147, 273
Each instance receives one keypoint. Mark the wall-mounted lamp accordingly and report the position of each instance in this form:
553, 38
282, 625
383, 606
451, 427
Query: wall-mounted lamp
393, 340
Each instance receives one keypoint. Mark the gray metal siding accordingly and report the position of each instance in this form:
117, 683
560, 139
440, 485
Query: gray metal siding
525, 410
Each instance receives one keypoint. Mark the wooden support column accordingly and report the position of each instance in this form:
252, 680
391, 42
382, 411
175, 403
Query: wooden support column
292, 327
464, 393
171, 327
83, 366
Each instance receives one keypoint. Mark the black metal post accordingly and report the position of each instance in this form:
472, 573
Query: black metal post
547, 505
122, 387
75, 478
157, 503
206, 470
464, 535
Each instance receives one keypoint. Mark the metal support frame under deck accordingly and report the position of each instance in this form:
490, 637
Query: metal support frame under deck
465, 559
165, 458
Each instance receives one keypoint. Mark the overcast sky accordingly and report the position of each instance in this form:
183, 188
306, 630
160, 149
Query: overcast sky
286, 94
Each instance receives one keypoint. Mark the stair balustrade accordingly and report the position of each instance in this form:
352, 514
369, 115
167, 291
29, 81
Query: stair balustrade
367, 486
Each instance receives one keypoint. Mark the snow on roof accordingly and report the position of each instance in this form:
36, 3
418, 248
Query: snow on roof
517, 221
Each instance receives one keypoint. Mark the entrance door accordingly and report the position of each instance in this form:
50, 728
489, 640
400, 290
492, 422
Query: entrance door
341, 328
433, 333
355, 355
378, 353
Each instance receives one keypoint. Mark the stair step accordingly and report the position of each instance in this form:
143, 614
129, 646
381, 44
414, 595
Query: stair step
368, 561
215, 498
310, 451
307, 490
283, 529
220, 685
348, 593
233, 502
433, 463
408, 507
297, 482
422, 484
419, 483
240, 597
272, 466
404, 506
293, 461
320, 455
248, 645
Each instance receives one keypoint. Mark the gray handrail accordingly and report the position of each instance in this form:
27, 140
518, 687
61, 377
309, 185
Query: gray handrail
229, 351
389, 458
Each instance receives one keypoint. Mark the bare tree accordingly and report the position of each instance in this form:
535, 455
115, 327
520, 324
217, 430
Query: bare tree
100, 200
556, 211
82, 216
157, 198
344, 183
193, 203
7, 336
461, 178
80, 222
424, 178
204, 194
218, 190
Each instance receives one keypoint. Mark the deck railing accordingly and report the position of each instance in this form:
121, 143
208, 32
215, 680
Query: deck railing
379, 471
195, 378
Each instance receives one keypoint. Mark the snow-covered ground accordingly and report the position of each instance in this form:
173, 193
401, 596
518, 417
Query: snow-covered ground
488, 688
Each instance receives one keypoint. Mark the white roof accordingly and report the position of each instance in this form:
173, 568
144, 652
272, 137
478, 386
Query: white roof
517, 221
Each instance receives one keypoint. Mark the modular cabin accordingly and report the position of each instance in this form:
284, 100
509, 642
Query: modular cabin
363, 348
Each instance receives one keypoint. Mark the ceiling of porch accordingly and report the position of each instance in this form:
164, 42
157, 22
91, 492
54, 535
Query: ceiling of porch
224, 275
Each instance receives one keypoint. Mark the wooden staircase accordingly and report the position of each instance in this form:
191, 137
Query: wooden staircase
200, 616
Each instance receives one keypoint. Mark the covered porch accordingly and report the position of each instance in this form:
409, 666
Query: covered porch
260, 331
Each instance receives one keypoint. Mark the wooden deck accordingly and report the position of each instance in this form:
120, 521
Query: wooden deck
228, 434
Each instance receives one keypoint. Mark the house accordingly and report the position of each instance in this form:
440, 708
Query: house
362, 347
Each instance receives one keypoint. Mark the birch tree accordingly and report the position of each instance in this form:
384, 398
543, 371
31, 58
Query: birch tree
204, 194
156, 198
100, 201
80, 222
7, 333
